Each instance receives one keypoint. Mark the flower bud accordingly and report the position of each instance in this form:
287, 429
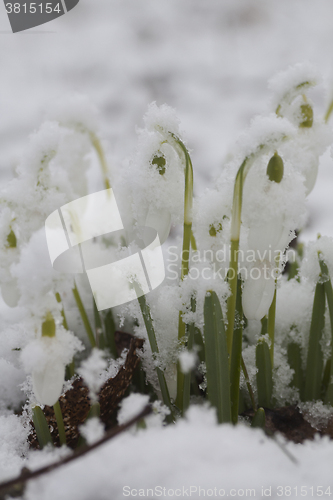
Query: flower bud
307, 116
275, 168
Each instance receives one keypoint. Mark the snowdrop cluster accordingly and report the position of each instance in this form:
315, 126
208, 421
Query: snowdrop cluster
232, 300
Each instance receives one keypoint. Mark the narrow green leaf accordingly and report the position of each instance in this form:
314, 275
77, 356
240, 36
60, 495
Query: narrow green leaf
264, 374
329, 295
314, 365
110, 329
42, 429
259, 419
248, 385
100, 339
84, 316
217, 364
188, 376
145, 310
60, 423
199, 343
236, 356
271, 326
326, 381
295, 363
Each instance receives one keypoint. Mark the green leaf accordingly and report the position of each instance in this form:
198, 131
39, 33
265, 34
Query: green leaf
236, 355
314, 365
84, 316
42, 429
329, 295
188, 376
110, 329
145, 310
295, 363
217, 364
264, 374
259, 419
98, 327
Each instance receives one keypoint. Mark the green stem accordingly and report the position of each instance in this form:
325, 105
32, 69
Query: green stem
64, 320
236, 219
84, 316
234, 250
271, 326
185, 264
193, 243
101, 156
41, 426
145, 310
60, 423
328, 112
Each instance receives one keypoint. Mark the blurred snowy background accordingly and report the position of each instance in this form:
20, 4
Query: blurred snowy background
209, 59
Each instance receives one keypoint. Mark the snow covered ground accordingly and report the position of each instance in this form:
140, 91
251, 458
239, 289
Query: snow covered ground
211, 61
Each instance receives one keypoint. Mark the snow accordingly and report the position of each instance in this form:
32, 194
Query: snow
91, 370
92, 430
131, 406
193, 453
188, 361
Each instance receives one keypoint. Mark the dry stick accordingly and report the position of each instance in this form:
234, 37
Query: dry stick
26, 476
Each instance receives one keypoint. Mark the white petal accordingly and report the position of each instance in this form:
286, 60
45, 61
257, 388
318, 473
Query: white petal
47, 383
161, 221
258, 293
310, 173
269, 237
10, 293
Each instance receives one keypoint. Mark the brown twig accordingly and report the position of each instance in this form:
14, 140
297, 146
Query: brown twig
15, 486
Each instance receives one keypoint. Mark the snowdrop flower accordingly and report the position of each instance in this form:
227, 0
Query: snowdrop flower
313, 136
267, 239
46, 358
154, 178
